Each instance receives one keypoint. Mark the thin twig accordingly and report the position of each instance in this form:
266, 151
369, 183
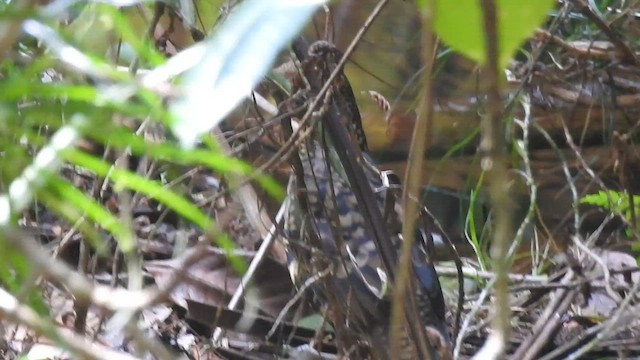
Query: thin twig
413, 184
603, 266
523, 148
530, 346
466, 323
255, 263
301, 290
492, 147
473, 273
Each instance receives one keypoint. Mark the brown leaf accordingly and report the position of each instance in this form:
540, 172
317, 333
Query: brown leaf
212, 280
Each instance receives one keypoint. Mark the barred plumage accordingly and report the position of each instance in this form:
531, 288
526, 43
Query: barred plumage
323, 53
324, 228
347, 245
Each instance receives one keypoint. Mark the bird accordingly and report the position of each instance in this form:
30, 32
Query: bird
325, 231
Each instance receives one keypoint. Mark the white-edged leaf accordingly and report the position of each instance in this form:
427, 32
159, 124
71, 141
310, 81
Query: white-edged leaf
235, 59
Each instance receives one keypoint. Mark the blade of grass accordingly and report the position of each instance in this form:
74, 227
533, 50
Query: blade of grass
94, 211
170, 199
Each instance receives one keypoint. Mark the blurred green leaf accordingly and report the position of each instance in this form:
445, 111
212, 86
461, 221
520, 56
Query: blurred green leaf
126, 179
94, 211
207, 13
315, 322
72, 57
17, 277
15, 89
129, 23
55, 200
459, 24
168, 151
93, 29
604, 199
616, 202
183, 207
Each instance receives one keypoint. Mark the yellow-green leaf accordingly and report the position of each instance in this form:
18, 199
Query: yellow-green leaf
459, 24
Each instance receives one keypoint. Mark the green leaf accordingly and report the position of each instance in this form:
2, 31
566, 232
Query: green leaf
459, 24
606, 199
